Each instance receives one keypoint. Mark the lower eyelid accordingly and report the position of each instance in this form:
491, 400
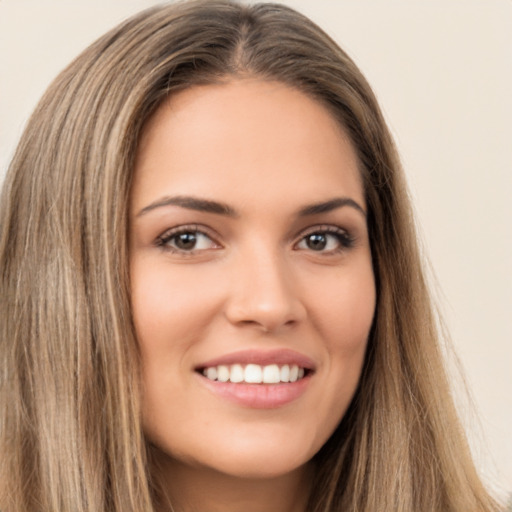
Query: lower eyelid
164, 239
342, 241
345, 239
341, 234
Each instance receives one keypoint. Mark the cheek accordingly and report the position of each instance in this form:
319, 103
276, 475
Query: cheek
170, 313
169, 305
344, 315
344, 308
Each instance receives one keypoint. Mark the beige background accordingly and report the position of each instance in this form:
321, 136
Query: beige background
442, 70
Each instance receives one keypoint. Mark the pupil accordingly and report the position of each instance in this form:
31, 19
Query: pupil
317, 241
186, 240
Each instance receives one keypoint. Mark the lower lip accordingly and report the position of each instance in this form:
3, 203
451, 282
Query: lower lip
258, 396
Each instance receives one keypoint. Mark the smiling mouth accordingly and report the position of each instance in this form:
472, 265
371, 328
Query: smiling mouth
255, 374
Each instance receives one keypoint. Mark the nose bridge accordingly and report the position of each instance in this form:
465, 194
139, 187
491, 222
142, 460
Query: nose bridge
263, 291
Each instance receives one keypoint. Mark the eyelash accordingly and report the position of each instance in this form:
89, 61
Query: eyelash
164, 239
344, 239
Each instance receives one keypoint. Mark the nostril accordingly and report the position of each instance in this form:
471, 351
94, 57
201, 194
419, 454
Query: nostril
264, 316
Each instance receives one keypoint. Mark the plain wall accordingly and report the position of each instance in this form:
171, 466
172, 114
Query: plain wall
442, 71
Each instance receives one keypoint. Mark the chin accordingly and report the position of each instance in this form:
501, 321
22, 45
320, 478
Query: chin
259, 466
247, 457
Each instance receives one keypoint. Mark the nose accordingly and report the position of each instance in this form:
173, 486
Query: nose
264, 294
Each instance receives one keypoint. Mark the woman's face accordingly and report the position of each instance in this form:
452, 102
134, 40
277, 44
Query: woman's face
252, 284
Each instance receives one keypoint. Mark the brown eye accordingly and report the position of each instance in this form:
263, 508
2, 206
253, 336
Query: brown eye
327, 240
316, 241
186, 240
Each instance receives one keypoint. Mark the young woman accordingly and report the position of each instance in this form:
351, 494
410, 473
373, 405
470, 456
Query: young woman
211, 295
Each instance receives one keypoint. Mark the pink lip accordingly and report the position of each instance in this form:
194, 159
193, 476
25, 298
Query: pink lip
276, 356
259, 396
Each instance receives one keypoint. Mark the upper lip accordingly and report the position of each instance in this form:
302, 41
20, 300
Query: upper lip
262, 358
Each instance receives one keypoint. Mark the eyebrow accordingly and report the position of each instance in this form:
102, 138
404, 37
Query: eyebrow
331, 204
191, 203
209, 206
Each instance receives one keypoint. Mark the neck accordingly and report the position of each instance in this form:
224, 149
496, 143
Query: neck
192, 489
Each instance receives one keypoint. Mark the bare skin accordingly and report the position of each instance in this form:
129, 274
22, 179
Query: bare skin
250, 260
221, 493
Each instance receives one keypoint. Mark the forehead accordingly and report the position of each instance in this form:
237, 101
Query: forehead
245, 138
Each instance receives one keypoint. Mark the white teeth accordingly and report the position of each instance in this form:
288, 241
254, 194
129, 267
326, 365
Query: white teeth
254, 373
211, 373
222, 373
271, 374
237, 373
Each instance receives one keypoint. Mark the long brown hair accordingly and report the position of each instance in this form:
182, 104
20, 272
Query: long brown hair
70, 432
